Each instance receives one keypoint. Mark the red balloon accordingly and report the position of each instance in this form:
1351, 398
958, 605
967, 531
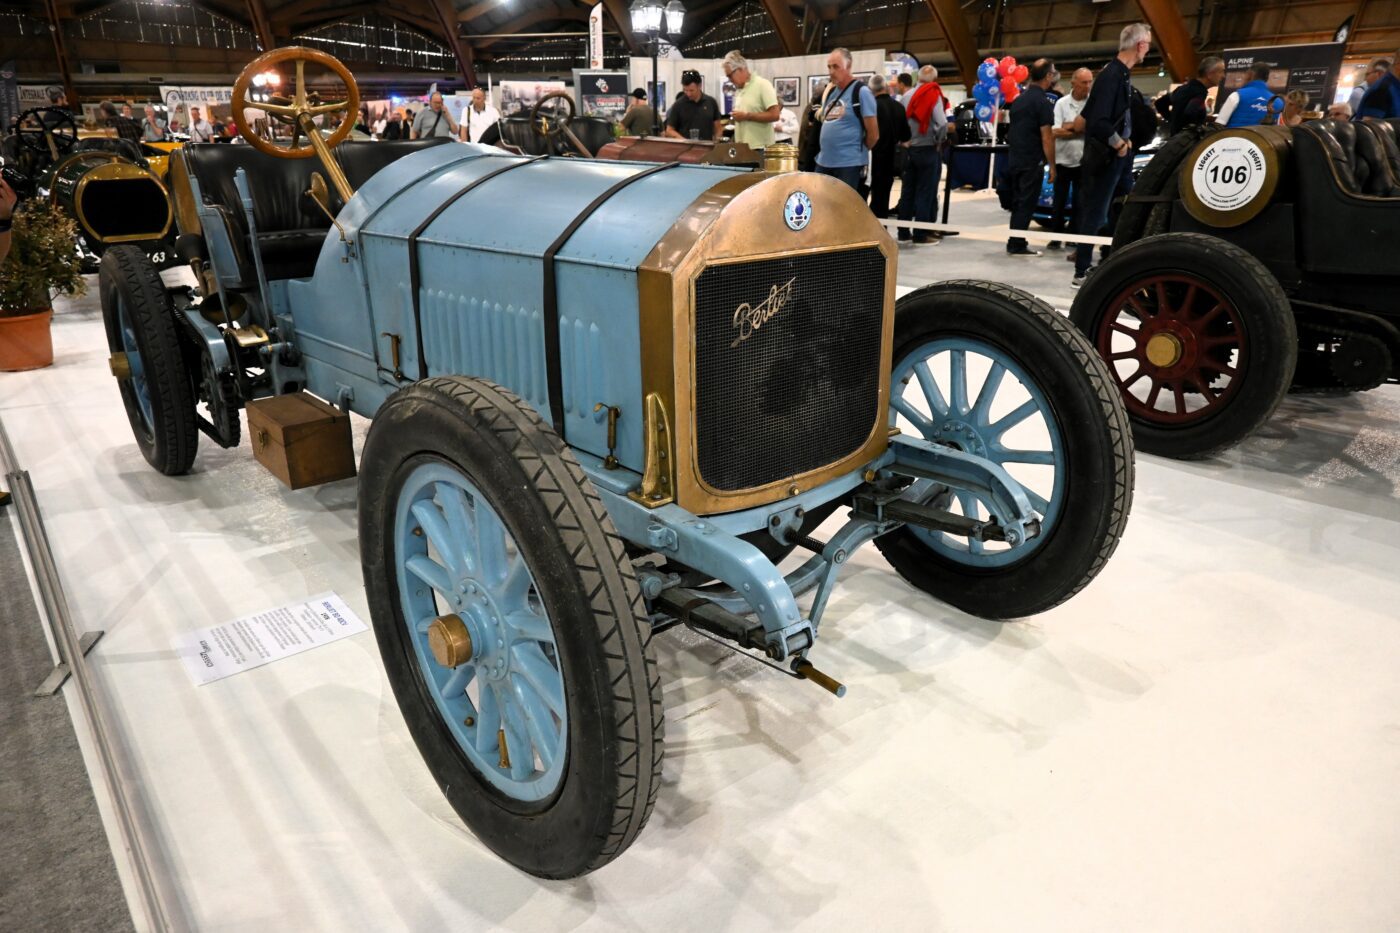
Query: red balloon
1010, 90
989, 60
1006, 66
1020, 73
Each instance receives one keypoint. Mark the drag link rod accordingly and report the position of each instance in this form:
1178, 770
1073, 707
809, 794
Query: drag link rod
718, 623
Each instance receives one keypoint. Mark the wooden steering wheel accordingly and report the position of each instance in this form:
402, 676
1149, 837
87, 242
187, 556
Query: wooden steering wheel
300, 107
551, 117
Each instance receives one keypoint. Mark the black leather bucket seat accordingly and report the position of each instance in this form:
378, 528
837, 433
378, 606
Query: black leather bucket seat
291, 227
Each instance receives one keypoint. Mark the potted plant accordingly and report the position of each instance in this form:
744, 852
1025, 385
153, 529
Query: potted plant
43, 261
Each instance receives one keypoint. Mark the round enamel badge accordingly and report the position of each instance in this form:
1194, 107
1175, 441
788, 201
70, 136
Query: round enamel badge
1228, 174
798, 210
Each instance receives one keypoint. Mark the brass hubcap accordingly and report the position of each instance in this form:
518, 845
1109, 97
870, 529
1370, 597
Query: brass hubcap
449, 641
1164, 350
120, 366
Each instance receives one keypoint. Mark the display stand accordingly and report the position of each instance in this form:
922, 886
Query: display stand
1119, 743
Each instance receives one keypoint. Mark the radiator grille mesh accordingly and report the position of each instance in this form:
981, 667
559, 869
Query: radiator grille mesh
787, 362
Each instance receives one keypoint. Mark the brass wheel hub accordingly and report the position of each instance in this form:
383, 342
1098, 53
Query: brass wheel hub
119, 365
449, 640
1164, 349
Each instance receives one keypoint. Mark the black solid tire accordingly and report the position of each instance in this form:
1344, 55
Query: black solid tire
1139, 219
613, 767
1098, 447
173, 438
1268, 322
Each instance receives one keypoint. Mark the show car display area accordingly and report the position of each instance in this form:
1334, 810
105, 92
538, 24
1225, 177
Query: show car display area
1191, 709
447, 522
602, 421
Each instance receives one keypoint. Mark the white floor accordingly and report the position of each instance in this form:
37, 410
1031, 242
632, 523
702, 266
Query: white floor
1205, 739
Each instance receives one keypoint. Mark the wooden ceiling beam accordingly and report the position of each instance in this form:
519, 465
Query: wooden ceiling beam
1171, 37
949, 16
789, 36
621, 16
448, 28
527, 20
262, 26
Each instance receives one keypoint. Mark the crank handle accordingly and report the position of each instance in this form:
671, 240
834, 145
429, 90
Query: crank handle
804, 669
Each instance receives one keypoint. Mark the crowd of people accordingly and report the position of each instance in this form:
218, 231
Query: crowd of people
1084, 139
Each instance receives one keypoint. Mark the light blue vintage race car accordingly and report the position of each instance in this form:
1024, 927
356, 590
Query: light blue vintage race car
609, 398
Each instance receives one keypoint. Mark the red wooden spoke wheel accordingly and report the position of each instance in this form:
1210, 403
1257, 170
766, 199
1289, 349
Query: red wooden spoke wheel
1176, 346
1199, 338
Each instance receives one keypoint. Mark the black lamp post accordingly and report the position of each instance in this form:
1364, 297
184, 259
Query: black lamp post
652, 20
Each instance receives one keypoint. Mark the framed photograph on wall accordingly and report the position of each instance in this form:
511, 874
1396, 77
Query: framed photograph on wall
787, 90
864, 75
814, 88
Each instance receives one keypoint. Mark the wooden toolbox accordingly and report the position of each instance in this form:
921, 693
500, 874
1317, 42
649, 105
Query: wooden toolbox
301, 439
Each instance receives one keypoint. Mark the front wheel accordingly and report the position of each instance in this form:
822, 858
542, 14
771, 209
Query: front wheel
147, 359
995, 372
511, 626
1199, 338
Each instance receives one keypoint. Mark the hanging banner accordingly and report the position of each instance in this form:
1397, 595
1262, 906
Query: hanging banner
38, 95
9, 96
595, 37
1312, 69
602, 94
520, 96
211, 101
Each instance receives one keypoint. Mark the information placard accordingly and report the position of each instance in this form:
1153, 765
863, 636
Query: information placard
211, 654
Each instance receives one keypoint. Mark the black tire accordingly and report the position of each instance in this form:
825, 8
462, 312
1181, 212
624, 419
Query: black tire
1253, 295
615, 725
1139, 219
1098, 447
171, 438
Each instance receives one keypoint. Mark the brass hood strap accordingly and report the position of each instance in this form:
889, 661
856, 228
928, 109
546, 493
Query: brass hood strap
413, 276
552, 352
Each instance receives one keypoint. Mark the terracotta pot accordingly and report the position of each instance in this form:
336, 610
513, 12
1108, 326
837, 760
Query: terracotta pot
25, 342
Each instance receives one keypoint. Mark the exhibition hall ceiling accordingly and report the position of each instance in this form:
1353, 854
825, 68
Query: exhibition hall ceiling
135, 36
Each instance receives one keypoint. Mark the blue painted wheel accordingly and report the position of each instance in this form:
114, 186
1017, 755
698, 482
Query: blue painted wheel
975, 396
998, 374
511, 625
148, 359
505, 701
133, 358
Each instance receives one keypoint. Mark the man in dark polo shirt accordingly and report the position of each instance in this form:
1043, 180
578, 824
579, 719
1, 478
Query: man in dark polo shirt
1189, 100
1030, 146
1108, 148
694, 115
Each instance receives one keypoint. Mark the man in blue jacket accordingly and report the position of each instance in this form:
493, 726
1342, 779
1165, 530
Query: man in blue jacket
1383, 99
1249, 106
1108, 150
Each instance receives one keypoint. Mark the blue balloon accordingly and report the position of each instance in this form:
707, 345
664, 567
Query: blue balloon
987, 72
985, 112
